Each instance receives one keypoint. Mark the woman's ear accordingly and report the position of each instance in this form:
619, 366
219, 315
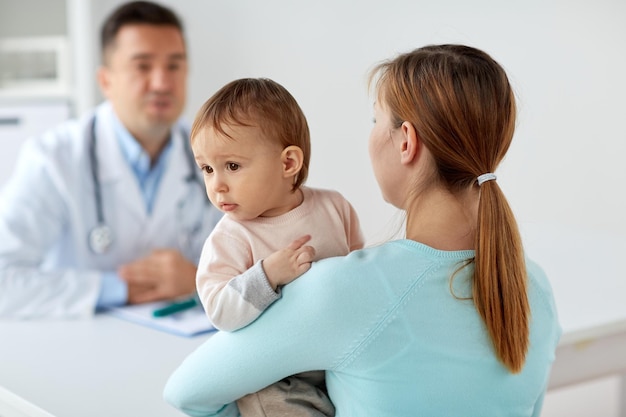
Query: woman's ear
292, 159
411, 144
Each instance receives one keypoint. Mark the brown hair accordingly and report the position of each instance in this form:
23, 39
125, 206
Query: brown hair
135, 13
258, 102
463, 109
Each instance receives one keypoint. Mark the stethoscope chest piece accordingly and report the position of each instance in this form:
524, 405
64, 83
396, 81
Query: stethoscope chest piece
100, 239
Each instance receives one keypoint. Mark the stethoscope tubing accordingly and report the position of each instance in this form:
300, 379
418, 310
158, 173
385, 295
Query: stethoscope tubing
100, 237
95, 177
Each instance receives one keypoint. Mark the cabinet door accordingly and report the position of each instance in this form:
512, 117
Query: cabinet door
20, 122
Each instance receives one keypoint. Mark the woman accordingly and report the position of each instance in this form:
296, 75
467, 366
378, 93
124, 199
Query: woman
452, 320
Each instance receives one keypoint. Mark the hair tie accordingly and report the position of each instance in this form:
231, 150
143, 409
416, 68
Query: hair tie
486, 177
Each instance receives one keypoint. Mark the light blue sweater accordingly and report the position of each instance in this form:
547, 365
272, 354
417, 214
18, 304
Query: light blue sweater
393, 339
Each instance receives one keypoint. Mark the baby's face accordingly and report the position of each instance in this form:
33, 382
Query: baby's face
243, 173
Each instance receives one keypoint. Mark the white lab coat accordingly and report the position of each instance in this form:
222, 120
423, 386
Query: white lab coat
47, 210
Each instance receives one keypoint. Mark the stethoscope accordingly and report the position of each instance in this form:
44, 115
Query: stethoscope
100, 238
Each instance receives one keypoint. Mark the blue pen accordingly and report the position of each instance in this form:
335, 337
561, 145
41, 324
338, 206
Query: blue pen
175, 307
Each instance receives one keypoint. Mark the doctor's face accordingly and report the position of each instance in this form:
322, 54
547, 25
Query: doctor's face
144, 76
243, 173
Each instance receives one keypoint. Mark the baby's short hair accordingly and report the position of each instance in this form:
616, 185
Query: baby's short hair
258, 102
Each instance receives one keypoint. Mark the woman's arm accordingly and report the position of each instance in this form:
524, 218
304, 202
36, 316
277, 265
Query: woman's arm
292, 336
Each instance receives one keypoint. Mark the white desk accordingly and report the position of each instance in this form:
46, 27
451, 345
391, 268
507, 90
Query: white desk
89, 368
587, 270
108, 367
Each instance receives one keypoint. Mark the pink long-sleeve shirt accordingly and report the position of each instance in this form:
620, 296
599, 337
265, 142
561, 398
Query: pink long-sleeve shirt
231, 282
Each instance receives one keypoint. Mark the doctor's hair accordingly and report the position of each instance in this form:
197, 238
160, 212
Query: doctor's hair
135, 13
262, 103
462, 107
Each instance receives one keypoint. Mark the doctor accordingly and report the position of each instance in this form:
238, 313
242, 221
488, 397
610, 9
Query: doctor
109, 209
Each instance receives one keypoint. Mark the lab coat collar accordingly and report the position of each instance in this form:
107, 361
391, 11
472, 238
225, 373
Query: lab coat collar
115, 171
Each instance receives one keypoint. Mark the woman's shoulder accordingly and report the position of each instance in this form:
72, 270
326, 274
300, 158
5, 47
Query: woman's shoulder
400, 259
539, 284
340, 273
541, 297
361, 258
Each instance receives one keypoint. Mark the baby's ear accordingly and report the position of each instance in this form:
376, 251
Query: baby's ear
292, 158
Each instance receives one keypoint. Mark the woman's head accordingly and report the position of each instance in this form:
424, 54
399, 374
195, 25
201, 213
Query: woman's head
460, 103
457, 103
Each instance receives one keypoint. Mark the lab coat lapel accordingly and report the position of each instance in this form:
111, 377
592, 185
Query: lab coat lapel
116, 177
174, 186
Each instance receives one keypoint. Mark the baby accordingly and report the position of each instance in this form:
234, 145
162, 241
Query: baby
252, 142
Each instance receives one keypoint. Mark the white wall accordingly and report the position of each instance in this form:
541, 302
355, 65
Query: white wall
17, 18
565, 59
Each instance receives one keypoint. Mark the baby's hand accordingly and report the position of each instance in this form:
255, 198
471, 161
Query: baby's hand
286, 265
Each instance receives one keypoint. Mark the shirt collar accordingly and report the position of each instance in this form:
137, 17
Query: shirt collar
133, 152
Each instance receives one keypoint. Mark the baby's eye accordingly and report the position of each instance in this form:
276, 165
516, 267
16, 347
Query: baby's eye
232, 166
207, 169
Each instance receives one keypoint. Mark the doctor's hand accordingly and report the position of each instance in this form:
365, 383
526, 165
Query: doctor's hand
163, 274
